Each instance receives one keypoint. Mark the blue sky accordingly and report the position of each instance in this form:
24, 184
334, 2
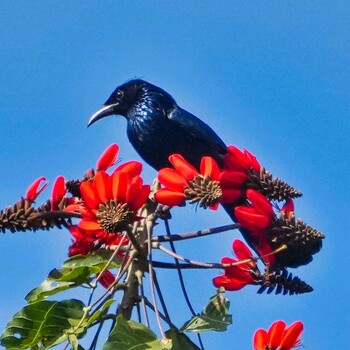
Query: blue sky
272, 77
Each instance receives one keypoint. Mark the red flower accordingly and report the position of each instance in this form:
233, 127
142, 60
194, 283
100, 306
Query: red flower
34, 189
237, 276
107, 158
258, 215
209, 187
85, 241
121, 193
236, 160
278, 337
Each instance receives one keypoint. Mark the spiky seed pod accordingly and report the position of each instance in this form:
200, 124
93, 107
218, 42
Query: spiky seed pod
204, 191
73, 187
283, 282
23, 217
271, 188
14, 218
114, 217
302, 241
43, 218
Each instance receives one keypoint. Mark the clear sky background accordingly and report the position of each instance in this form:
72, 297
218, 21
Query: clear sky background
269, 76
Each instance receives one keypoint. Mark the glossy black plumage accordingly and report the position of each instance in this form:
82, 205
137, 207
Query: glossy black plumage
158, 127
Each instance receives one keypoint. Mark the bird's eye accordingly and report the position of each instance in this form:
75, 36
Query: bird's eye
119, 94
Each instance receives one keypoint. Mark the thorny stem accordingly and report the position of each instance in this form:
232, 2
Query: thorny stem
195, 234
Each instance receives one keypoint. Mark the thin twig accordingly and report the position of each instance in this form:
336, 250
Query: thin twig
163, 317
157, 245
149, 228
179, 272
144, 309
160, 295
115, 252
195, 234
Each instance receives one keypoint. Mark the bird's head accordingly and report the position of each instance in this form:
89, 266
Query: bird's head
121, 100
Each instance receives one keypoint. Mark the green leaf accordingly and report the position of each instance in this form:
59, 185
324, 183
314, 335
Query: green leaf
129, 335
43, 324
180, 340
74, 272
97, 314
214, 317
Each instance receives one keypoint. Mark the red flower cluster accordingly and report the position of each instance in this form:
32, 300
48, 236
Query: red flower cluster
85, 241
278, 337
209, 187
109, 204
259, 216
237, 276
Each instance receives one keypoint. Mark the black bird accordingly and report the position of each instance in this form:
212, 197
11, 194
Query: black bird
157, 127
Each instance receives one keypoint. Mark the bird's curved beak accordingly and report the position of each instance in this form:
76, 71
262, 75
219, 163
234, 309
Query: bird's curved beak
104, 111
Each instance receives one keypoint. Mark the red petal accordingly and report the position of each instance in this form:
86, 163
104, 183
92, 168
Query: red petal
183, 167
170, 198
260, 339
241, 251
291, 336
33, 190
58, 191
228, 283
235, 160
276, 333
171, 179
260, 203
249, 219
230, 195
89, 225
232, 178
102, 186
238, 272
252, 160
119, 186
88, 195
288, 206
108, 157
137, 196
132, 168
210, 168
263, 248
106, 278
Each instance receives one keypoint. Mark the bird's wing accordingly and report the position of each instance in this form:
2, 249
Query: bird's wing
198, 129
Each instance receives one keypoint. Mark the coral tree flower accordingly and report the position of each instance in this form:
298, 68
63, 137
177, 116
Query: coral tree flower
110, 202
256, 218
208, 187
237, 276
278, 337
35, 188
